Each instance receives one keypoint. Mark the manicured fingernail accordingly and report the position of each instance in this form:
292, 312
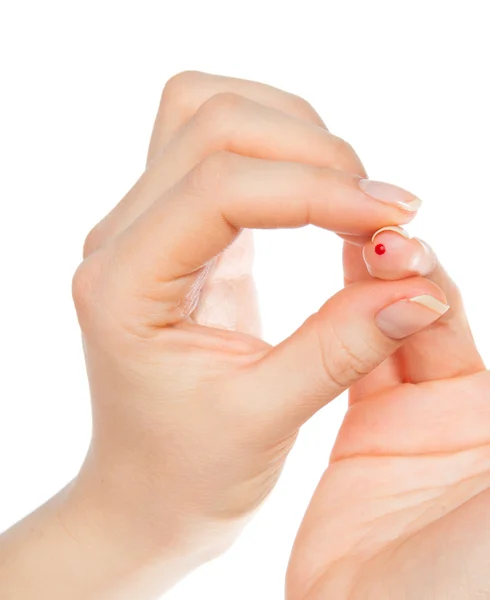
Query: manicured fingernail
394, 228
410, 315
390, 194
410, 256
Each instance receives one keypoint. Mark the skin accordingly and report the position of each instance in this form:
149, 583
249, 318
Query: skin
402, 511
193, 413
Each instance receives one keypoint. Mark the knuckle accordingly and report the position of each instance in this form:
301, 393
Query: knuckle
84, 285
179, 84
345, 361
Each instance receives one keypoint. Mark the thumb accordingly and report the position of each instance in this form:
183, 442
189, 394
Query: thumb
352, 333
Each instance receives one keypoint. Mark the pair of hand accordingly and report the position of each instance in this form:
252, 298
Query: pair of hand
194, 414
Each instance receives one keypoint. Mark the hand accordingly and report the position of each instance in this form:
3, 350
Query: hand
403, 510
194, 414
189, 405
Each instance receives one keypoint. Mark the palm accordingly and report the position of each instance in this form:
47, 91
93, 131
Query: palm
402, 511
228, 299
403, 501
409, 475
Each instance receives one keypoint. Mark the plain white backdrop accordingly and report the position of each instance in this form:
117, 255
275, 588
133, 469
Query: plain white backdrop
406, 83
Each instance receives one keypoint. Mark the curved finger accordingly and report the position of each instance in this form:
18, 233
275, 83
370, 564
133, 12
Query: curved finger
201, 215
200, 114
186, 92
227, 122
226, 301
447, 349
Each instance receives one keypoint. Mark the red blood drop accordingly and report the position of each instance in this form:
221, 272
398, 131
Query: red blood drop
380, 249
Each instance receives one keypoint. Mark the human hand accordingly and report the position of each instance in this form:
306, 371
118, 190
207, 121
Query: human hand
194, 414
403, 510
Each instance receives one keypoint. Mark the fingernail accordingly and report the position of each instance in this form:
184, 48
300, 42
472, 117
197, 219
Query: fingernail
410, 315
390, 194
394, 228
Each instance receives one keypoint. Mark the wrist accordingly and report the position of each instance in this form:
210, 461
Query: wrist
124, 560
88, 541
62, 553
137, 529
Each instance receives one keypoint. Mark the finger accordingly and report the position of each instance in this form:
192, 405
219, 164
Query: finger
228, 298
388, 373
446, 349
199, 217
231, 123
355, 240
392, 254
285, 127
351, 334
186, 92
355, 268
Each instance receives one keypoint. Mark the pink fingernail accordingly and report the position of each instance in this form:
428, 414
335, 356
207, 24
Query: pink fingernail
407, 316
394, 228
390, 194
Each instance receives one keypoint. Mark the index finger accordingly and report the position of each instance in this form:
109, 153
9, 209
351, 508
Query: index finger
203, 213
186, 92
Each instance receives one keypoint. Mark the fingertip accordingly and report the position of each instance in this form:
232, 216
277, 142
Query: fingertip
393, 254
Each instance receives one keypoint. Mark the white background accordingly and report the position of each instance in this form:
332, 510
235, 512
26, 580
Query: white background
406, 83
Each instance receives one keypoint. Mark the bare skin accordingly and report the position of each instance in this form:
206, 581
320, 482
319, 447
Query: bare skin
193, 413
403, 510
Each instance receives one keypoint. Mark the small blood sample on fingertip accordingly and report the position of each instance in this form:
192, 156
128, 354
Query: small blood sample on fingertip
380, 249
